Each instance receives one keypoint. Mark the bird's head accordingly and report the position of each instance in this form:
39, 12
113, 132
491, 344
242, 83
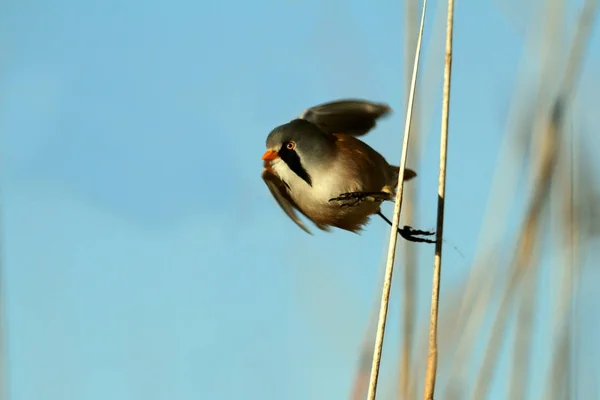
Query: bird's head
301, 146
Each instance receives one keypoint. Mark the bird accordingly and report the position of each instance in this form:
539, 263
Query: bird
317, 166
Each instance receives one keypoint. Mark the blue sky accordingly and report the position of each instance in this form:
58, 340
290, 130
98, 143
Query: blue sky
144, 257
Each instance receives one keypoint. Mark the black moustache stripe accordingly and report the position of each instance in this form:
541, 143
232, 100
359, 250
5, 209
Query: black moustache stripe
290, 157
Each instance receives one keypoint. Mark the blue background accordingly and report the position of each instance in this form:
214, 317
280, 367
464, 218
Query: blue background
145, 258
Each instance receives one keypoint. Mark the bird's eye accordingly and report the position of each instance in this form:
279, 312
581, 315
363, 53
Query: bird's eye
290, 145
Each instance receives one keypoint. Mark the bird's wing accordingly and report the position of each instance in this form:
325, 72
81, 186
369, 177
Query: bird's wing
287, 204
350, 116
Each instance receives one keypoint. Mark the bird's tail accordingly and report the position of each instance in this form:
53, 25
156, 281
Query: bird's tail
408, 174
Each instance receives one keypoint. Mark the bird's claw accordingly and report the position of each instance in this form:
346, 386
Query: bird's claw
353, 199
409, 234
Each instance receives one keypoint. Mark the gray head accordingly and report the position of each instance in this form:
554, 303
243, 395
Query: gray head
301, 145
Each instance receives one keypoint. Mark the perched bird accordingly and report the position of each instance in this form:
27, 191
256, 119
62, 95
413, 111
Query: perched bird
316, 165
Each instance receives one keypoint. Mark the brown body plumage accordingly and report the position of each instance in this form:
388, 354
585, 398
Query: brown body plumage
363, 170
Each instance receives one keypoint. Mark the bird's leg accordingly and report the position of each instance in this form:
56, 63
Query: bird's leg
353, 199
409, 233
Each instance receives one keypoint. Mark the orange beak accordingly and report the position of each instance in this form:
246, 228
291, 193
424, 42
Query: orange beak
270, 155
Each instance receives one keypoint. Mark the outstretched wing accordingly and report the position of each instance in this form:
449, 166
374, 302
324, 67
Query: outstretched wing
349, 116
287, 204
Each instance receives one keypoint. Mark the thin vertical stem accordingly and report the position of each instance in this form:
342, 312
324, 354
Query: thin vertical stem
527, 246
361, 379
385, 296
437, 263
410, 258
573, 248
3, 346
3, 328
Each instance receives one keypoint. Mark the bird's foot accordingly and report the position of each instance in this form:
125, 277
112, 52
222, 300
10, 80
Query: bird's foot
353, 199
410, 234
